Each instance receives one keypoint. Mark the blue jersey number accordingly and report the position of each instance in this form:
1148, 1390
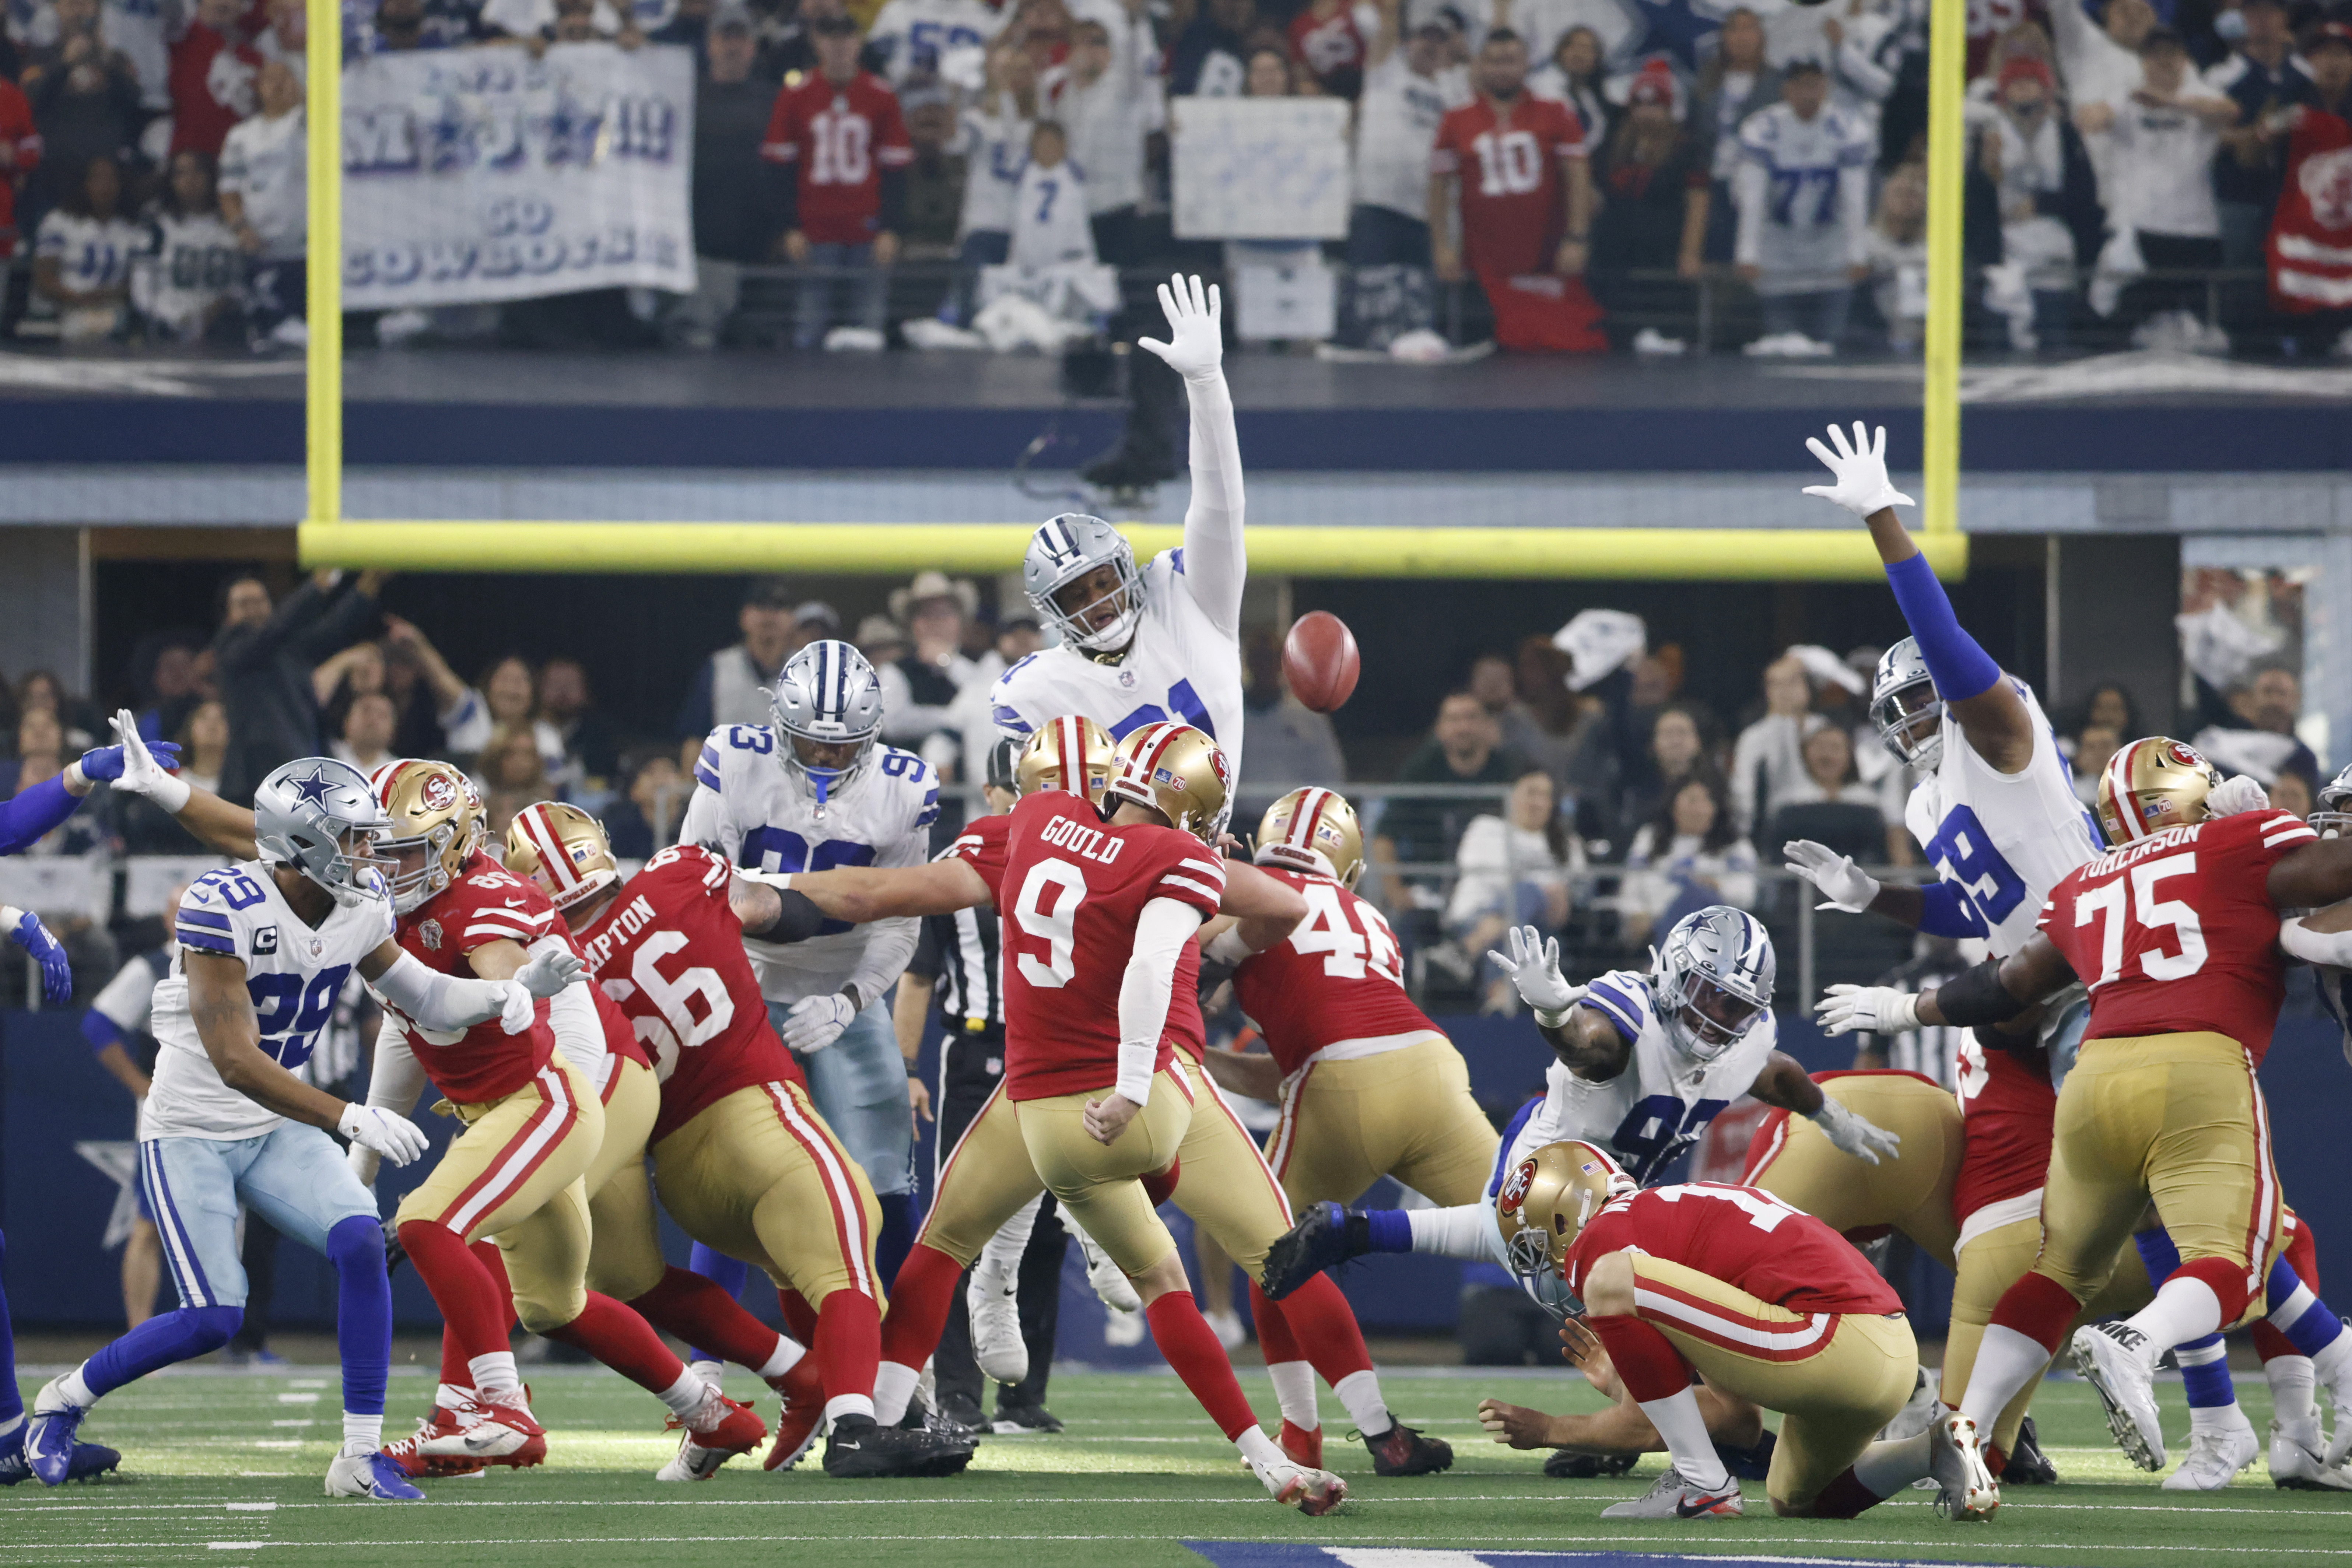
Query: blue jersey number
1803, 197
781, 849
290, 1014
1658, 1130
1964, 851
1183, 702
237, 889
750, 738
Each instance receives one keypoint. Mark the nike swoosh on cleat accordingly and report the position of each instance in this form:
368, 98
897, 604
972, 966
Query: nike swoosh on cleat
1683, 1508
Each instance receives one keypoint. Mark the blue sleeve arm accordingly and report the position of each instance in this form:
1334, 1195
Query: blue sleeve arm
33, 813
1961, 669
100, 1031
1945, 911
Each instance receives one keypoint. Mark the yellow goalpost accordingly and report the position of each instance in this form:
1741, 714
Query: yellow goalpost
328, 538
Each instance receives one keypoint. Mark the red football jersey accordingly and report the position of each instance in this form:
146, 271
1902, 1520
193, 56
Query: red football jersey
23, 139
2009, 1109
1331, 47
620, 1034
842, 137
668, 952
1744, 1237
2176, 932
1071, 892
484, 905
1513, 205
212, 86
982, 843
1337, 978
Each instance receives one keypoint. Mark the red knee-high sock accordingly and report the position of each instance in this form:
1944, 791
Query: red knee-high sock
799, 1318
919, 1306
1318, 1323
454, 1370
2226, 1280
847, 1343
1191, 1347
2037, 1307
1160, 1185
624, 1341
700, 1312
1646, 1360
469, 1300
1274, 1341
1843, 1498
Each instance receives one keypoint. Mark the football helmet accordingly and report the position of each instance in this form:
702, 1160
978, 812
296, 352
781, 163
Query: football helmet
1315, 831
829, 696
1180, 772
1065, 549
1713, 979
1074, 754
305, 813
2153, 783
1904, 702
562, 848
1544, 1202
2334, 817
434, 809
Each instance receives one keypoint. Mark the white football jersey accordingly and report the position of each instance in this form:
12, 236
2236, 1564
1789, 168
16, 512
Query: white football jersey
762, 817
1179, 667
294, 973
905, 31
2006, 839
1815, 176
197, 262
1660, 1104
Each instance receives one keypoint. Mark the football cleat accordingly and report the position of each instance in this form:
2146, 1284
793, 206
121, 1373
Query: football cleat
802, 1391
993, 1301
713, 1434
1570, 1465
1675, 1498
1918, 1413
89, 1460
2215, 1456
448, 1459
1750, 1463
861, 1449
504, 1435
1965, 1490
1306, 1487
1316, 1240
2028, 1465
369, 1476
49, 1429
2111, 1358
1401, 1451
1108, 1280
1304, 1445
1024, 1420
2299, 1462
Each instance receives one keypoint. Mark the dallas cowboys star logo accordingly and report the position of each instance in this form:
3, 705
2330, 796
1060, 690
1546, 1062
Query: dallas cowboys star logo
314, 790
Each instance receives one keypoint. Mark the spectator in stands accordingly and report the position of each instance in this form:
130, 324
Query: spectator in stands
1511, 870
502, 704
1463, 747
2101, 63
992, 138
2295, 790
169, 684
1577, 75
812, 621
1768, 759
42, 689
1270, 74
20, 154
1013, 641
1411, 83
2311, 230
511, 774
882, 640
212, 78
82, 256
2112, 704
368, 724
336, 681
1653, 188
935, 177
264, 655
1209, 54
2094, 744
1735, 82
1898, 256
1107, 106
646, 819
735, 220
1803, 190
1677, 753
731, 685
841, 210
2261, 739
192, 289
1687, 856
1284, 742
203, 738
1830, 777
590, 750
2159, 185
2266, 82
1552, 723
909, 36
2031, 186
264, 186
86, 105
1327, 44
1526, 196
920, 688
40, 752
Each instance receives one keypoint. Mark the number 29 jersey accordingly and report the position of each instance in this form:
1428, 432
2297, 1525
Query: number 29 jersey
1335, 987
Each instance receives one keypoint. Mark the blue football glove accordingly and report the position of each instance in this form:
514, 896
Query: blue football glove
57, 975
105, 763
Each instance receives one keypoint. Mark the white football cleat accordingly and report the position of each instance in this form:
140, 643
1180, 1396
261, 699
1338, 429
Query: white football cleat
1676, 1498
2215, 1456
1918, 1413
2299, 1461
1310, 1491
995, 1302
1110, 1280
2111, 1358
371, 1475
1966, 1492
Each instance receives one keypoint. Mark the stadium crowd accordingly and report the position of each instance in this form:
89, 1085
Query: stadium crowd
2133, 167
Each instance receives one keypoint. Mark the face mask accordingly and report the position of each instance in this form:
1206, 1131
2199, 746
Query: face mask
2229, 27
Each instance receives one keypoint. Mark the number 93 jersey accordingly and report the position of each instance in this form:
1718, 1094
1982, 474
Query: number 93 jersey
1660, 1105
1335, 987
293, 971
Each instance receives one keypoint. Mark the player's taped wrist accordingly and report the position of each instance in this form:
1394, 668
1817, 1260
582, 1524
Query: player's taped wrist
1137, 1061
171, 793
1978, 997
1228, 948
1961, 669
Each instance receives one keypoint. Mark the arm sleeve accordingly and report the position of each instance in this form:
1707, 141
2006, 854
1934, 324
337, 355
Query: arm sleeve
33, 813
397, 1077
1215, 562
439, 1001
1160, 933
578, 1027
100, 1031
2299, 941
1945, 911
1962, 669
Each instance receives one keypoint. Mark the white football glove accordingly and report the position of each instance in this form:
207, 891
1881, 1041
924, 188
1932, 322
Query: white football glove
387, 1133
1854, 1135
549, 969
1533, 964
141, 774
816, 1021
2237, 793
1862, 486
1196, 328
1846, 885
1879, 1009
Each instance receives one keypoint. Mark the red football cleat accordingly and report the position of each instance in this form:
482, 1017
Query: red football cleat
710, 1443
418, 1461
506, 1435
804, 1413
1304, 1446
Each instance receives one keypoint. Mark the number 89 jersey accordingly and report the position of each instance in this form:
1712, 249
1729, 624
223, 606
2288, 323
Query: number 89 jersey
1334, 987
293, 971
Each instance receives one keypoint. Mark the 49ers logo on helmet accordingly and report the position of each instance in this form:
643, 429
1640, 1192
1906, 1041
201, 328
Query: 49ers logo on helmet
438, 794
1514, 1191
2186, 755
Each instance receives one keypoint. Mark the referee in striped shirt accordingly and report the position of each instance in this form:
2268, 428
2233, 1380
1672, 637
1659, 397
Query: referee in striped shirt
959, 964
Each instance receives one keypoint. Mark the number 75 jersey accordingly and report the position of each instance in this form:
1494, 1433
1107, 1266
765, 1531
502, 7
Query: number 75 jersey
1335, 987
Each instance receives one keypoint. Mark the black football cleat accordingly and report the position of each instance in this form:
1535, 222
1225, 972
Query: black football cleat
861, 1449
1323, 1237
1022, 1420
1749, 1464
2028, 1465
1401, 1451
1569, 1465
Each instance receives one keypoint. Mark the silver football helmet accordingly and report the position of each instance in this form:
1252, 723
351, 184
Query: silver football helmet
828, 695
1065, 549
1902, 695
2334, 817
319, 816
1713, 979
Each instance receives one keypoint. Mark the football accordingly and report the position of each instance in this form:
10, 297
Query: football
1319, 660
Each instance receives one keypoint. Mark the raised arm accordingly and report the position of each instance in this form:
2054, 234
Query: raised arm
1993, 993
1215, 563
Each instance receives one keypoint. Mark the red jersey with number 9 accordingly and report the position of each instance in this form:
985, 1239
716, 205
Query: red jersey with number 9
1339, 977
668, 952
2176, 933
1071, 892
1747, 1238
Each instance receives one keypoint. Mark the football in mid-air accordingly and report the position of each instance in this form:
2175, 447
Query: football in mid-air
1319, 660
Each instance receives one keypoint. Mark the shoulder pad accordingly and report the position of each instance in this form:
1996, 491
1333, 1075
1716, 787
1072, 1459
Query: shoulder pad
1623, 998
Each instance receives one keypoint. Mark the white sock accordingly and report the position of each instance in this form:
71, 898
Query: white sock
686, 1396
2184, 1309
1259, 1449
713, 1373
363, 1434
496, 1382
2293, 1382
13, 1424
2334, 1361
1887, 1468
1294, 1390
857, 1404
1678, 1421
1360, 1393
893, 1384
2217, 1418
449, 1396
1003, 1251
788, 1351
1459, 1232
73, 1389
2006, 1361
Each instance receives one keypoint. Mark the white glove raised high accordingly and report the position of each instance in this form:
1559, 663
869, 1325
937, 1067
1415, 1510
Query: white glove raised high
386, 1132
816, 1021
1533, 964
2237, 793
1846, 885
1854, 1135
1196, 328
141, 774
1862, 486
1880, 1009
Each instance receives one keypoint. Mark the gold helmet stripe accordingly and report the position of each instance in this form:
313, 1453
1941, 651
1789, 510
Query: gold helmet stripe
1306, 820
1070, 744
532, 820
2119, 788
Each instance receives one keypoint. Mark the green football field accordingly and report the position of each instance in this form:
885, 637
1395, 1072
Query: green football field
224, 1469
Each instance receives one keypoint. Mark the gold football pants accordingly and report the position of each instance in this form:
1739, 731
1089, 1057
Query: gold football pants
1406, 1113
1101, 1183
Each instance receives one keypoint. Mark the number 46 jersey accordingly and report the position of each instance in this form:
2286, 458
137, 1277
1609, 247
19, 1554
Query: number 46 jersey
1334, 987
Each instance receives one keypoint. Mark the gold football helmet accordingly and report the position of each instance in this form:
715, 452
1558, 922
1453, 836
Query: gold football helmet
1544, 1202
1074, 754
1315, 831
1180, 772
436, 825
2152, 785
563, 849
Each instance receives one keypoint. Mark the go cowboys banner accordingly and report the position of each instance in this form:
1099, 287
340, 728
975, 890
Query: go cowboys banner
475, 175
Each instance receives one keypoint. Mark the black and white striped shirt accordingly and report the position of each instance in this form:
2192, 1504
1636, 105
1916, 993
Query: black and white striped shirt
962, 955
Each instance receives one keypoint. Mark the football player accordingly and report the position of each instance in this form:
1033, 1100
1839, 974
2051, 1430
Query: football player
25, 819
265, 947
1730, 1284
741, 1157
817, 789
